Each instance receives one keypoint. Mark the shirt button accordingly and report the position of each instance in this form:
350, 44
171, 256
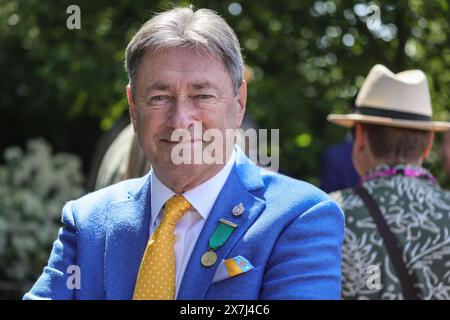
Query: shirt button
177, 238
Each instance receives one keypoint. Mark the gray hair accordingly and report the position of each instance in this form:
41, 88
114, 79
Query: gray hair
184, 27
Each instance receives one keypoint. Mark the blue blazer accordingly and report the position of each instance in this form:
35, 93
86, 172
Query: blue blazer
290, 231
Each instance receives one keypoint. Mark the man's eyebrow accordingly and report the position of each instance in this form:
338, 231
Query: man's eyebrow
157, 86
203, 85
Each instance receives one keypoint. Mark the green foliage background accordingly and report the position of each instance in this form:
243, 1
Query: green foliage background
68, 85
309, 59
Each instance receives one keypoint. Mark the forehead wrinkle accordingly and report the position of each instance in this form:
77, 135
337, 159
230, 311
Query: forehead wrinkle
195, 85
155, 69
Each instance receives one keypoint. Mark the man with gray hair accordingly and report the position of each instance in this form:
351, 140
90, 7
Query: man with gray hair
221, 230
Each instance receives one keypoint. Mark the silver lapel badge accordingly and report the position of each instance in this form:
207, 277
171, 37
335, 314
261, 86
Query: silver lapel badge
238, 210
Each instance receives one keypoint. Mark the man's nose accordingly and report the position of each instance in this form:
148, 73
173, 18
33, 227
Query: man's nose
181, 116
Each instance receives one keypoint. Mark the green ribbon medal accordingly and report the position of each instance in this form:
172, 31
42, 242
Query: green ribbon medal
220, 236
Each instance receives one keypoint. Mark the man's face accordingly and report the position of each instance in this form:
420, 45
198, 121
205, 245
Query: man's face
174, 88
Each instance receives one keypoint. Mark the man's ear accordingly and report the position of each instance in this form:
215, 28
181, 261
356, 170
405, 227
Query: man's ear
359, 137
427, 150
131, 107
241, 103
358, 152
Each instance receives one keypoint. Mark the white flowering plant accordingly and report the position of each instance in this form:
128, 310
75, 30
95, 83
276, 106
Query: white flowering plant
34, 185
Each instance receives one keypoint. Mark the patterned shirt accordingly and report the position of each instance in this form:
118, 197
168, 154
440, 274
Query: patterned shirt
418, 213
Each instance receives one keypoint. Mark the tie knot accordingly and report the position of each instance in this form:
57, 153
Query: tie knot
175, 208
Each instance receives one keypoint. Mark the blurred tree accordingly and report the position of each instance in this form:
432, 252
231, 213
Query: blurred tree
309, 58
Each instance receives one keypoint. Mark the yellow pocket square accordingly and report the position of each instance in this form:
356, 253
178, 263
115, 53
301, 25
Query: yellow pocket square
232, 267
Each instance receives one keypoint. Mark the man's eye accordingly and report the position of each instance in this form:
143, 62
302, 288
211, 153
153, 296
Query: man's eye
159, 99
204, 97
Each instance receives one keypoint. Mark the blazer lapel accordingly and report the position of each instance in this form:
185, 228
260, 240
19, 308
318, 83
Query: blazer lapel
127, 230
241, 187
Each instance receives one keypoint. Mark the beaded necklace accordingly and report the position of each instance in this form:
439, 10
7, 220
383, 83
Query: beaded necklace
405, 170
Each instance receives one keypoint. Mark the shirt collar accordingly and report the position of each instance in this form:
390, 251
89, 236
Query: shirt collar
160, 193
383, 167
407, 170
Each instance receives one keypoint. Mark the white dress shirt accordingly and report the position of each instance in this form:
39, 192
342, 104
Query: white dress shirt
188, 228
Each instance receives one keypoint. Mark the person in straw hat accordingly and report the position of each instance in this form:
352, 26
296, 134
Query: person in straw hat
397, 236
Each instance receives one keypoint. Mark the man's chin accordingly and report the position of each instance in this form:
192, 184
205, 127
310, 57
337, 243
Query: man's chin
181, 172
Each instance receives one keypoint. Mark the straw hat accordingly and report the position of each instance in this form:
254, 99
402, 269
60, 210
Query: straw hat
397, 100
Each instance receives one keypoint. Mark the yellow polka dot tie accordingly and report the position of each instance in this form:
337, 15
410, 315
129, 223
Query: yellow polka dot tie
156, 277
